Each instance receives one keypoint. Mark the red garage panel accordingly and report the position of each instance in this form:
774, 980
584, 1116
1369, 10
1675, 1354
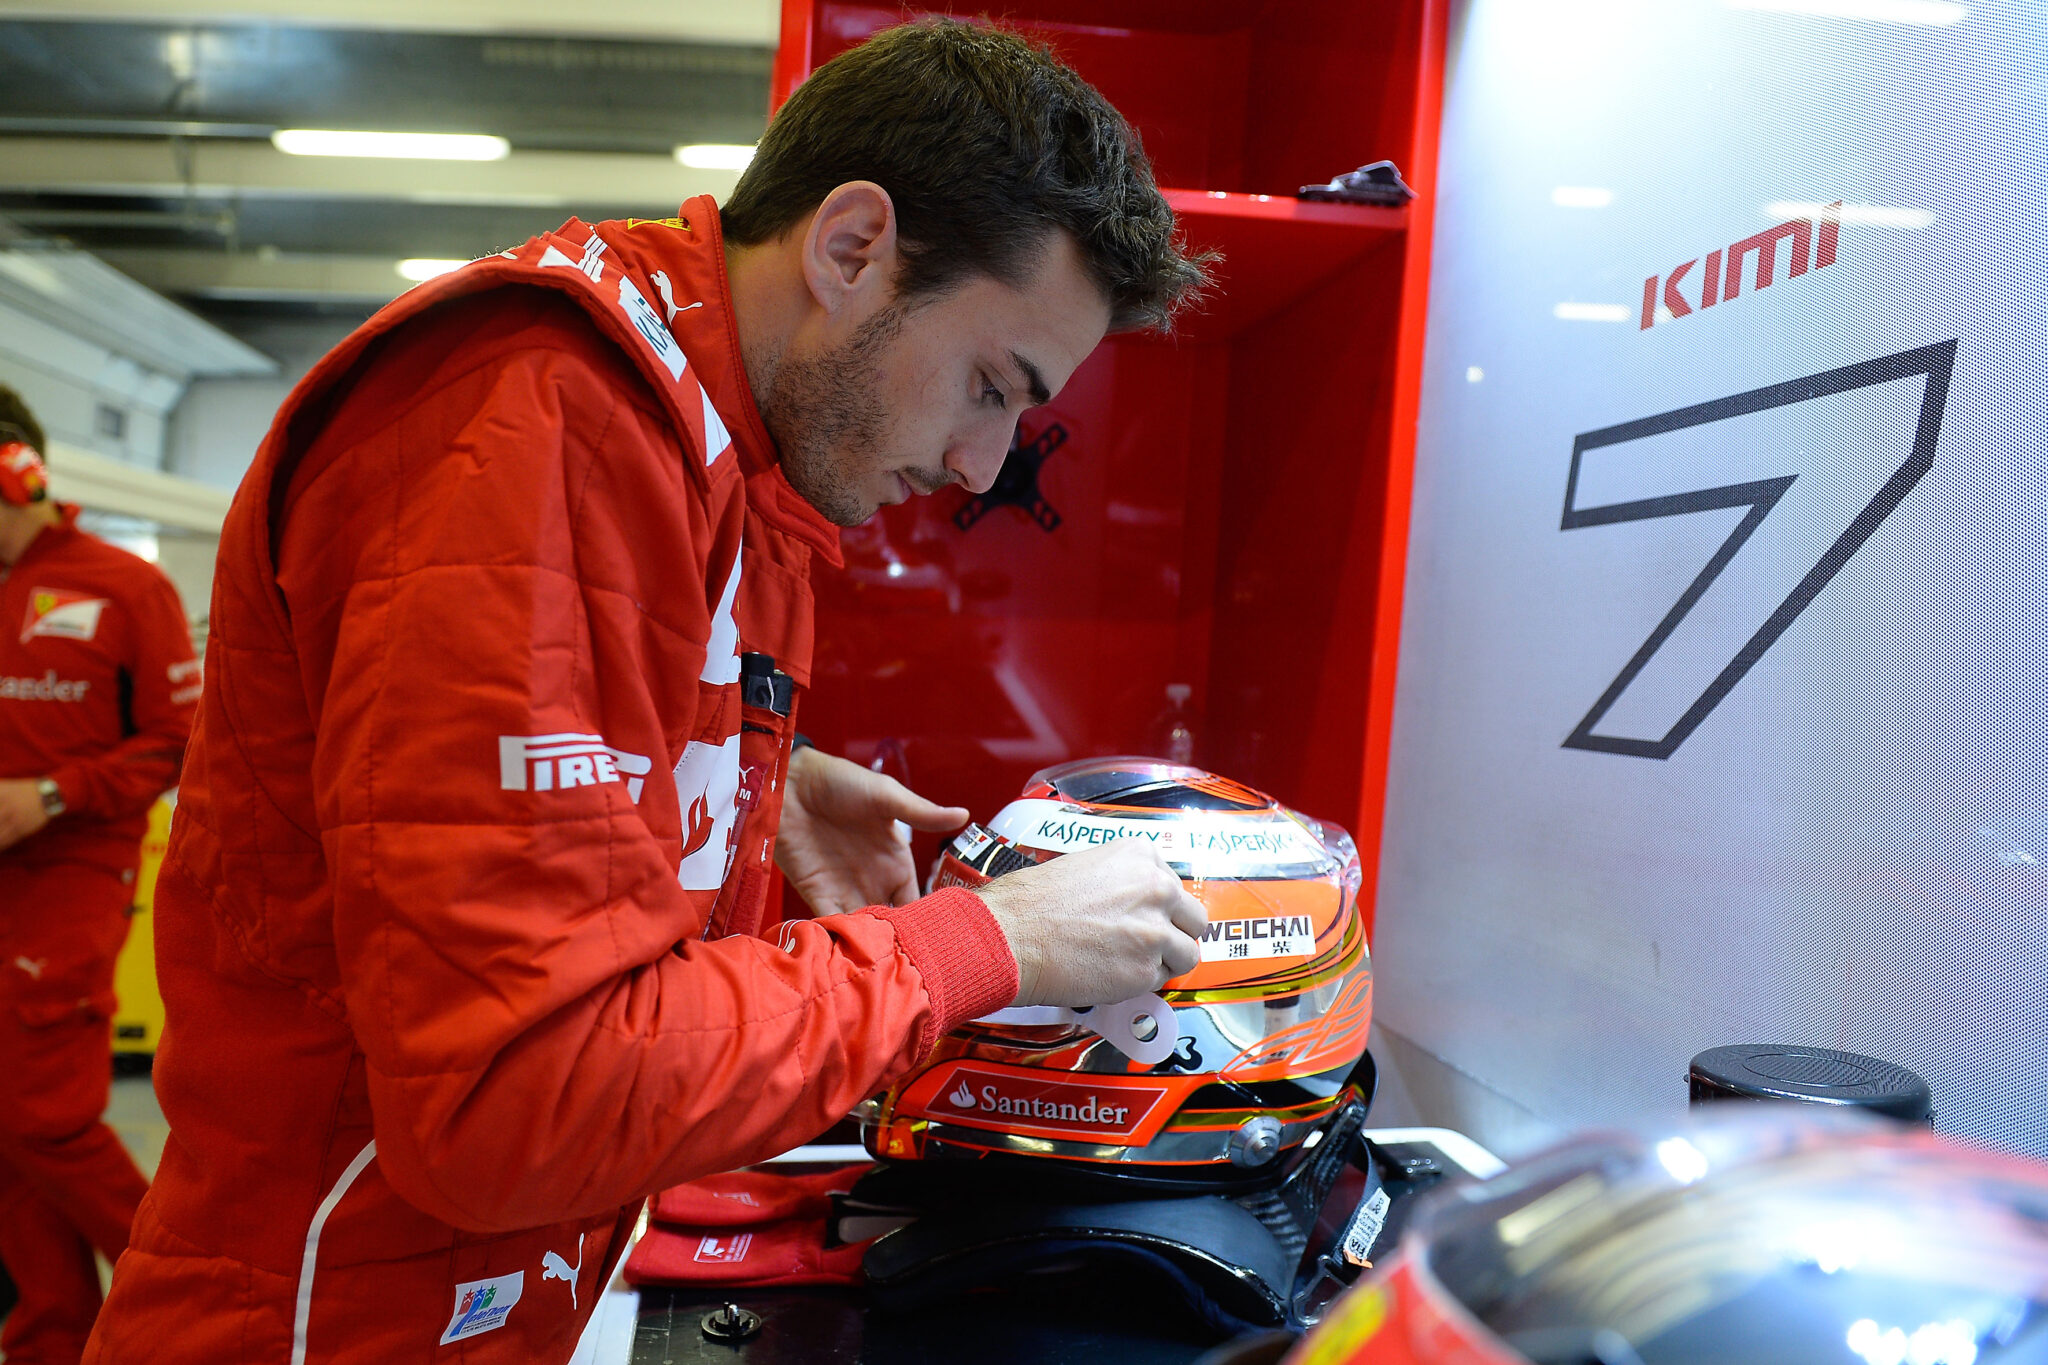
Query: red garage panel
1225, 509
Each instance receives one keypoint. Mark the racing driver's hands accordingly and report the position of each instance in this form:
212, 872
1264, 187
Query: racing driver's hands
838, 843
1098, 926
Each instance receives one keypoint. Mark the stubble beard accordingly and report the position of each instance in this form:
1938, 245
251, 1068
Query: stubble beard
826, 415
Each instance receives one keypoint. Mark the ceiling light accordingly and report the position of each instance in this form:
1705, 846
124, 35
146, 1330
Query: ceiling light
1581, 197
420, 268
1856, 215
1591, 312
409, 146
491, 198
715, 156
1928, 13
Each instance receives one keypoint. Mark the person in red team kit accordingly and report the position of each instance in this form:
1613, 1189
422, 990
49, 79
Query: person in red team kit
97, 692
461, 933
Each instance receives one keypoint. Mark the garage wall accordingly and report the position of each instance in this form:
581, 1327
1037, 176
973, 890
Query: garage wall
1723, 694
215, 431
83, 393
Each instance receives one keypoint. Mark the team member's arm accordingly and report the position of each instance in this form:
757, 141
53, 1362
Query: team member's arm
163, 699
545, 1037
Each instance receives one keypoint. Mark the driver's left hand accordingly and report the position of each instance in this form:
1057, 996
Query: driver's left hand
839, 843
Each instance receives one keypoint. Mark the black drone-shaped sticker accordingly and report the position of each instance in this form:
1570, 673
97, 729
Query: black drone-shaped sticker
1017, 484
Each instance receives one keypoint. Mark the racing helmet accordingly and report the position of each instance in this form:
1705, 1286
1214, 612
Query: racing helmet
1769, 1238
1219, 1079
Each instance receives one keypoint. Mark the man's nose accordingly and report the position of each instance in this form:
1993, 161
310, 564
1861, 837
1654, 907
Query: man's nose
976, 463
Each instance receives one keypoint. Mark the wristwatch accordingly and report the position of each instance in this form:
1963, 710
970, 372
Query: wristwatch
53, 798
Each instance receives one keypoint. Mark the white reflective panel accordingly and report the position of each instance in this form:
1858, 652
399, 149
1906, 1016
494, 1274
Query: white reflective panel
1723, 698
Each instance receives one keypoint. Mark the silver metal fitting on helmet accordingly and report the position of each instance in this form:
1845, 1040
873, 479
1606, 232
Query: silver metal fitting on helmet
1256, 1142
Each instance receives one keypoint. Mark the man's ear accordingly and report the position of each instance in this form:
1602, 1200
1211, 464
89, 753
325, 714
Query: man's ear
849, 250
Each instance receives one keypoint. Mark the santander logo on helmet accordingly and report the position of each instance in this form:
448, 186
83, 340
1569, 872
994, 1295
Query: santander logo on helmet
1267, 1030
1041, 1105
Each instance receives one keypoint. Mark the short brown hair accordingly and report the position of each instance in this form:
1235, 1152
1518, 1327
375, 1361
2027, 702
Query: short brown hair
15, 413
985, 142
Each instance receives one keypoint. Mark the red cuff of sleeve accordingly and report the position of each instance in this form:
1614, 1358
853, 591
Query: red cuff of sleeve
960, 951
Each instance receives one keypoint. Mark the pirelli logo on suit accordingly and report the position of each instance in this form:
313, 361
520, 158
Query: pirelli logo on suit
542, 763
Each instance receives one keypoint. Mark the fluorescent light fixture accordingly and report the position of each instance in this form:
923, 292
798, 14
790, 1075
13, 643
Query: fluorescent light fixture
486, 198
419, 268
1591, 312
715, 156
1581, 197
404, 146
1858, 215
1927, 13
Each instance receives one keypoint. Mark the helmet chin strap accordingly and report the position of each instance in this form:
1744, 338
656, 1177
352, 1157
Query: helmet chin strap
1119, 1025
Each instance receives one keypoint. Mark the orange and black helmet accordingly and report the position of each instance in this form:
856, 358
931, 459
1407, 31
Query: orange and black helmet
1224, 1074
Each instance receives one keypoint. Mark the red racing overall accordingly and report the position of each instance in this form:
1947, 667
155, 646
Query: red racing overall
459, 932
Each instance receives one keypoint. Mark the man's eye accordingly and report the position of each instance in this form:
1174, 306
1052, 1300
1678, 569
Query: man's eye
990, 393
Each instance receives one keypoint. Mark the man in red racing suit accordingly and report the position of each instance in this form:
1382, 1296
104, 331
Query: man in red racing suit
97, 691
461, 930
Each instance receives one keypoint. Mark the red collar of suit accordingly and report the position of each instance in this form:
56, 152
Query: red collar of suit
682, 261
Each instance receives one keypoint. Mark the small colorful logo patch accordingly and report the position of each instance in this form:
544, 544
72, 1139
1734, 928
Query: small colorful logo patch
62, 614
483, 1305
724, 1250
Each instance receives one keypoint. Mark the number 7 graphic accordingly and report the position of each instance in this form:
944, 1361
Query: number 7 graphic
1759, 496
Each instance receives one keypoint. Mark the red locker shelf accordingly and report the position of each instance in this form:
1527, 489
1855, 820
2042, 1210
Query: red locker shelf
1275, 248
1225, 509
1126, 16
